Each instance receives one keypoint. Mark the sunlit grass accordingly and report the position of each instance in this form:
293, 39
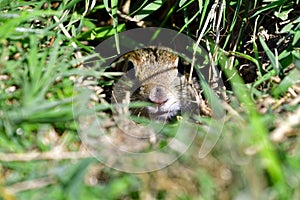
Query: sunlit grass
40, 64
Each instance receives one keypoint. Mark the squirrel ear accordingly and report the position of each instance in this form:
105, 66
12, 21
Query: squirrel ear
175, 60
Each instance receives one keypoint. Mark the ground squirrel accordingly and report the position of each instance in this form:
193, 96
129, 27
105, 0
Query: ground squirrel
154, 75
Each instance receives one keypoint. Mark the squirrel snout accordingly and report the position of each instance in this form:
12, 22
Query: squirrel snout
158, 95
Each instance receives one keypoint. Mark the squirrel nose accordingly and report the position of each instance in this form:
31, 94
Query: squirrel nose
158, 95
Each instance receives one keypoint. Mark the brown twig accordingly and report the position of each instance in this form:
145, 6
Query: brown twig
52, 155
30, 185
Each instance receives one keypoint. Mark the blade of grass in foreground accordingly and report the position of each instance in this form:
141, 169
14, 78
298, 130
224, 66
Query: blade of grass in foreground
260, 137
114, 16
286, 83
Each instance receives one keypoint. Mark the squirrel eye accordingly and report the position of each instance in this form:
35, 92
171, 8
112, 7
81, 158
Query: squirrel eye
181, 67
130, 65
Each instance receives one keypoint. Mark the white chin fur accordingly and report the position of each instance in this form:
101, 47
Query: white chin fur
163, 112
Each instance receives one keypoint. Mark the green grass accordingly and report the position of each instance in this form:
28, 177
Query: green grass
257, 155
